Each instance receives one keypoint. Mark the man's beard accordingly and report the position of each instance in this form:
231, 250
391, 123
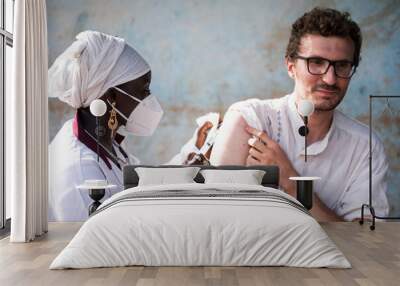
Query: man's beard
331, 104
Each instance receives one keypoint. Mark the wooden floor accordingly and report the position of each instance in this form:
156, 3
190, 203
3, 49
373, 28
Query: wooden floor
374, 255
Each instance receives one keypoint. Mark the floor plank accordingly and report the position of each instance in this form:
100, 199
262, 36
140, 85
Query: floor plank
374, 255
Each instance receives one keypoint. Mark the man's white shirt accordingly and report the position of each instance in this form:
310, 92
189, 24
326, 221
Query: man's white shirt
341, 158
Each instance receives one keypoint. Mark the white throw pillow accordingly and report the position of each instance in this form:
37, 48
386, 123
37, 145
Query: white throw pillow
248, 177
162, 176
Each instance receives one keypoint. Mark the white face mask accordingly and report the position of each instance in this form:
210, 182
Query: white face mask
145, 118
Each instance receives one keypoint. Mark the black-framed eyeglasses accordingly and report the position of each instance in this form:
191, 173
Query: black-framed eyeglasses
320, 66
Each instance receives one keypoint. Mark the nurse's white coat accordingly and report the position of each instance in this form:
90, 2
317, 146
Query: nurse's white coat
70, 164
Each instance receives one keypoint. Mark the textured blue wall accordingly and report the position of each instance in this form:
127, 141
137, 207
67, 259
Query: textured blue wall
205, 55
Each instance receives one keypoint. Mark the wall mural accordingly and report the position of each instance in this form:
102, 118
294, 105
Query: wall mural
206, 55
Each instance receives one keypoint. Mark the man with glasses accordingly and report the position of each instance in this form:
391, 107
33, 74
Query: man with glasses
321, 57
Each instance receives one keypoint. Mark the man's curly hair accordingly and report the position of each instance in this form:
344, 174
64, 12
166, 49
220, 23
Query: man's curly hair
325, 22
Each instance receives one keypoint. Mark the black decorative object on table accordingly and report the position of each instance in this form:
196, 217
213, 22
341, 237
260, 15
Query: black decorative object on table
304, 190
96, 195
97, 190
304, 193
370, 206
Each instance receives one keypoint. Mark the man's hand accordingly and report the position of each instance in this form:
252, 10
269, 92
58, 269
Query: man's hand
265, 151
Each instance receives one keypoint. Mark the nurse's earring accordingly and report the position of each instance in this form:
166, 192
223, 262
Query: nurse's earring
112, 121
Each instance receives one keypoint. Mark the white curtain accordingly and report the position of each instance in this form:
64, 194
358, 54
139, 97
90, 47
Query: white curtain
27, 123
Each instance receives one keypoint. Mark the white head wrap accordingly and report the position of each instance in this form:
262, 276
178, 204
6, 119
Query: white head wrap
91, 65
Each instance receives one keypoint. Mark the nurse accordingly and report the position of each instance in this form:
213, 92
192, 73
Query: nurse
96, 66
